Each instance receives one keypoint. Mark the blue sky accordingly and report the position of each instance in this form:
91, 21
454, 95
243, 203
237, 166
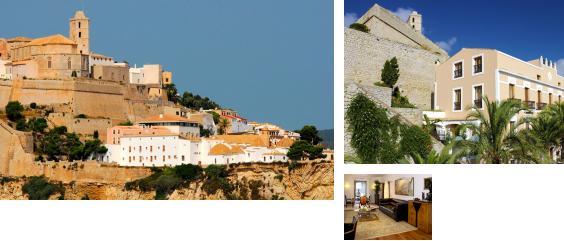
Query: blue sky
270, 60
524, 29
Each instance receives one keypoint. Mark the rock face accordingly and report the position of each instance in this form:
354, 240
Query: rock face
310, 180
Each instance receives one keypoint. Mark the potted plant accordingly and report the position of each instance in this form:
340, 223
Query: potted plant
377, 186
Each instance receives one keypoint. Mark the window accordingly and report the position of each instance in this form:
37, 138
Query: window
457, 99
549, 98
478, 96
164, 149
511, 91
79, 34
458, 70
78, 24
478, 65
526, 94
140, 149
69, 63
49, 62
538, 77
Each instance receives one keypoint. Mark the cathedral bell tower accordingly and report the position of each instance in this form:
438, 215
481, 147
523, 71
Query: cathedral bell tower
79, 32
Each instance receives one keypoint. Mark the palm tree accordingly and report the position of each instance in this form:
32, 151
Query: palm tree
223, 125
448, 155
495, 140
547, 129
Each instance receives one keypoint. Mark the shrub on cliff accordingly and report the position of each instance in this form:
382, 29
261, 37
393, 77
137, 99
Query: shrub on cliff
374, 136
390, 73
14, 111
360, 27
415, 141
39, 188
216, 178
188, 172
305, 150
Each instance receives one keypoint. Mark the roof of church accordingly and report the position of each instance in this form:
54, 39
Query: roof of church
252, 140
19, 39
53, 39
223, 149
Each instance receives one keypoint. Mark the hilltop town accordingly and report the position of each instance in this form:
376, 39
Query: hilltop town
66, 103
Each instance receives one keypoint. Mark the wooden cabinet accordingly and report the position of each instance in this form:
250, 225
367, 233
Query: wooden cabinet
422, 218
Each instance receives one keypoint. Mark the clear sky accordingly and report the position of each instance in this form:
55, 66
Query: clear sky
270, 60
524, 29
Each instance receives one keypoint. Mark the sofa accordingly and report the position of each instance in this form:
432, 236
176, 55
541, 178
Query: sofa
394, 208
350, 229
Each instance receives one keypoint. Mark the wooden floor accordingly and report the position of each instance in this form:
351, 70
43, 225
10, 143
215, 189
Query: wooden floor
413, 235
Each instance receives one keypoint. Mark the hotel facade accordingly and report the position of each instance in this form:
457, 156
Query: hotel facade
472, 73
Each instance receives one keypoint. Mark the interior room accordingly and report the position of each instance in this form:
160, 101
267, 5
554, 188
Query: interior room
388, 207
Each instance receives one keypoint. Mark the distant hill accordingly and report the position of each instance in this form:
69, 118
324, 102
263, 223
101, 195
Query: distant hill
327, 136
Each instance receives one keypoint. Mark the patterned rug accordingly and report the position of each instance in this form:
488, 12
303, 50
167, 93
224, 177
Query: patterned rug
376, 225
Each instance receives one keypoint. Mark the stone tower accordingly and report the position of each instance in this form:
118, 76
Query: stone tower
415, 21
79, 32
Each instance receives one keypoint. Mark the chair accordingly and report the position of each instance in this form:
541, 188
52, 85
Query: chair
364, 201
348, 201
350, 229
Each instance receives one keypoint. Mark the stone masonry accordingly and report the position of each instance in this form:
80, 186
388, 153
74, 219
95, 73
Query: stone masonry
365, 55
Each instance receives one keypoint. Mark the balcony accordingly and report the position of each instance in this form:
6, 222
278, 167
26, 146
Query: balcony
458, 73
457, 105
530, 104
478, 104
540, 106
515, 99
477, 69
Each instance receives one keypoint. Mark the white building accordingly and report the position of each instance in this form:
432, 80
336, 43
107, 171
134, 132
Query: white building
5, 70
148, 74
176, 124
167, 149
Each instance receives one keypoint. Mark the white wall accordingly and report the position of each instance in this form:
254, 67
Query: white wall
418, 184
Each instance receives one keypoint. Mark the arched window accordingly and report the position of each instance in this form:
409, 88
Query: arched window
69, 63
49, 62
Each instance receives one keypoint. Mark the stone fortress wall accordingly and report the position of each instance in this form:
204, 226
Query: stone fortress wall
17, 159
365, 55
389, 36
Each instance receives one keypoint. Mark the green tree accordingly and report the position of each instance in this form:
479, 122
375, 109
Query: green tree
39, 188
223, 125
302, 149
495, 140
216, 117
171, 92
448, 155
197, 102
310, 134
547, 129
374, 136
188, 172
360, 27
126, 123
14, 111
390, 73
37, 125
415, 141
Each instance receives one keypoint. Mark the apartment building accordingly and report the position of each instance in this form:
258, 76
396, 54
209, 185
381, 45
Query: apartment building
471, 73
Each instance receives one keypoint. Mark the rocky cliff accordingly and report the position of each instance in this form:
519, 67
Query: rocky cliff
310, 180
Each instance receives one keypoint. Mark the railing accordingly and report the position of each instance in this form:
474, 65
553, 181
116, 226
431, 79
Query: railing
458, 73
457, 105
478, 104
530, 104
477, 68
515, 99
540, 106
